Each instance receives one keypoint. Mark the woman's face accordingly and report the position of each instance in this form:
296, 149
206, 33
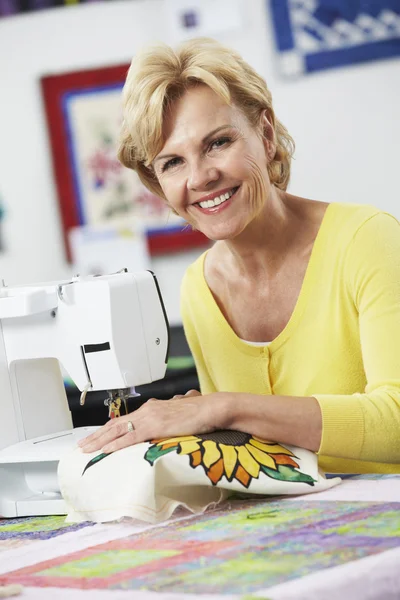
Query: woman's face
213, 166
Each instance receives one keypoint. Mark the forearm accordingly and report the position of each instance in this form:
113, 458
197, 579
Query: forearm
285, 419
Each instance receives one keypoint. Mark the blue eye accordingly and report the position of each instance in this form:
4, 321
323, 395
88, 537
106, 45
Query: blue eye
222, 141
172, 162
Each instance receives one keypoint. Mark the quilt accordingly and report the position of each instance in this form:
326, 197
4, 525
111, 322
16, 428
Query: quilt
246, 546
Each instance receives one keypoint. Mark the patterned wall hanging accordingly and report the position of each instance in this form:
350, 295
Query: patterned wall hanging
312, 35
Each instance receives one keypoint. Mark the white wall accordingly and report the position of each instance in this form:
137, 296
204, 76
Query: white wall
345, 123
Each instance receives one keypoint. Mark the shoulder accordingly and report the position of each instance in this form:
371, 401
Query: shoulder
372, 254
355, 225
193, 278
353, 216
368, 225
205, 267
195, 297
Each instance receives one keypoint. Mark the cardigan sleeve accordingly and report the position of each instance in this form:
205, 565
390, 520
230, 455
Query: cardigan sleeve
188, 318
366, 426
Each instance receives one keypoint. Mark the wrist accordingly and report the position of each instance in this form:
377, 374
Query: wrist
228, 409
250, 413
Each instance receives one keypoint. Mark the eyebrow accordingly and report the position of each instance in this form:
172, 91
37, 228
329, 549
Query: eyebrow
203, 141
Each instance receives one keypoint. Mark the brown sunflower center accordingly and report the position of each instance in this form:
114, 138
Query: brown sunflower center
227, 437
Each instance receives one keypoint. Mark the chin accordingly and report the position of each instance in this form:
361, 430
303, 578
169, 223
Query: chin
223, 231
220, 236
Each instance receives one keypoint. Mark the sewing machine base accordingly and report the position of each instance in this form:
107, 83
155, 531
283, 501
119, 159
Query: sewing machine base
28, 474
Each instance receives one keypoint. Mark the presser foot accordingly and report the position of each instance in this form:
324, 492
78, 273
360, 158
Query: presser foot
118, 400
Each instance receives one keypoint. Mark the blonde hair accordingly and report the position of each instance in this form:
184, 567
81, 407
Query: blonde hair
159, 75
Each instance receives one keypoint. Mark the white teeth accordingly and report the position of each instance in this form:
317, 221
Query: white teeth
216, 201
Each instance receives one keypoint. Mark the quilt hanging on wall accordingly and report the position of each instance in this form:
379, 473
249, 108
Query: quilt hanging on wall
312, 35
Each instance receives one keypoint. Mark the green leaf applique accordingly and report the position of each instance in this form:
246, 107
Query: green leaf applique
287, 473
95, 460
155, 452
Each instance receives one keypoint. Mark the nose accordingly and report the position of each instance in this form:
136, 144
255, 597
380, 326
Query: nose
201, 175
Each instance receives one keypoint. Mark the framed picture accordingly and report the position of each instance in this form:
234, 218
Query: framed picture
84, 114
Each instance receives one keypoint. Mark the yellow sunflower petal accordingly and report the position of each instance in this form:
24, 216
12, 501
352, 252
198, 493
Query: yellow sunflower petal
262, 457
189, 447
270, 448
182, 438
247, 461
229, 455
211, 454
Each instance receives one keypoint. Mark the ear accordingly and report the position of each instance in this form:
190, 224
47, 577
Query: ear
268, 135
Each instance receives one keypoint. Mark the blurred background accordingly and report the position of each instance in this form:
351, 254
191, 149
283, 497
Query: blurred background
67, 206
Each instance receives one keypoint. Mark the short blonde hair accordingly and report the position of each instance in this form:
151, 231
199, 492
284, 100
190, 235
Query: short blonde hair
159, 75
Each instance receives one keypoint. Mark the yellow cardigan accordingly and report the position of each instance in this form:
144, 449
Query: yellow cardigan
341, 344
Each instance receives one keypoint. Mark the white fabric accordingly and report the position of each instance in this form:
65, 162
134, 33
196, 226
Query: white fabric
125, 484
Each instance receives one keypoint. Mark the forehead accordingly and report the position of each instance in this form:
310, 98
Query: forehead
196, 113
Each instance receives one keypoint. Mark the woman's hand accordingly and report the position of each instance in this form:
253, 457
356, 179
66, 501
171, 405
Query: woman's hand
182, 415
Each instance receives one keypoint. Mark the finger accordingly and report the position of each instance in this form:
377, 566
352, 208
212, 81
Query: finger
90, 439
109, 434
95, 435
188, 394
129, 439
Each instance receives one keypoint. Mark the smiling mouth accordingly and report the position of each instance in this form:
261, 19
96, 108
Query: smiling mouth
218, 199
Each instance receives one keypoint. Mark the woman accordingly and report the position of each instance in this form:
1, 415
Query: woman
293, 315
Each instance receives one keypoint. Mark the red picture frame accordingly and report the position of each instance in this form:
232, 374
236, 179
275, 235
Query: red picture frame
54, 90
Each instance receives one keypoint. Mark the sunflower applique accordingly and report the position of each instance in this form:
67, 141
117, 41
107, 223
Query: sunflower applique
233, 455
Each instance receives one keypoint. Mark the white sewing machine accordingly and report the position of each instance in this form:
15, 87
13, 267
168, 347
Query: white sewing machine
108, 332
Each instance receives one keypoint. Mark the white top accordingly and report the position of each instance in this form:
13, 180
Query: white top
255, 343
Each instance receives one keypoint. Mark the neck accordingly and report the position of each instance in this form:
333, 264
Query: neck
262, 247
